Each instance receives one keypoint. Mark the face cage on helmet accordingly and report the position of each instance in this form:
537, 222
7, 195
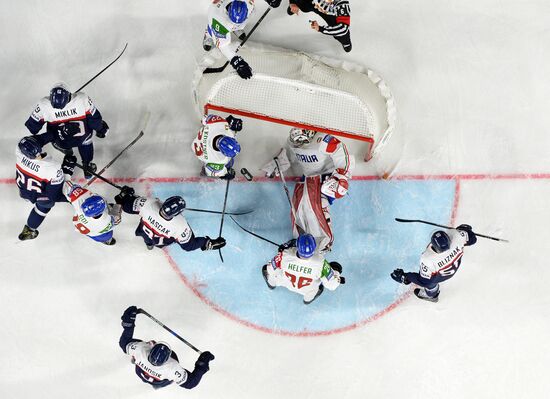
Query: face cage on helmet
299, 137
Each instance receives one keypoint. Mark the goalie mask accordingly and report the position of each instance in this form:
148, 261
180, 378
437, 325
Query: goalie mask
299, 137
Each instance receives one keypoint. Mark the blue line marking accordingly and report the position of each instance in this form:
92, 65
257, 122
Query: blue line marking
368, 243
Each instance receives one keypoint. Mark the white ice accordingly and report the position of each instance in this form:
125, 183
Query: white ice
471, 84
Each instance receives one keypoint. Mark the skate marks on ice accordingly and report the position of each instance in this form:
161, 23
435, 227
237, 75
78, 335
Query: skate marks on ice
368, 243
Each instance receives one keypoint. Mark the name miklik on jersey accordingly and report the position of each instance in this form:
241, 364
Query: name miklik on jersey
66, 114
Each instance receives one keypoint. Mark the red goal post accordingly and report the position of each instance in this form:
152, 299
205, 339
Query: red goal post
300, 90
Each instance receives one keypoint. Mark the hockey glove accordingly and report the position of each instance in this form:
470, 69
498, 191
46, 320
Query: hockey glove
287, 245
126, 191
211, 244
465, 227
230, 175
399, 276
203, 361
68, 130
335, 187
273, 3
336, 266
342, 280
69, 162
242, 67
235, 124
129, 317
101, 133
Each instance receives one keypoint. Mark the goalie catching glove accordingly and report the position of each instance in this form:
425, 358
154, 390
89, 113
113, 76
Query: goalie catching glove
335, 186
242, 67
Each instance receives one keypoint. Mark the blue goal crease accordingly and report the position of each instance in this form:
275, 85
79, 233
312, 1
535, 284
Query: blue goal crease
368, 243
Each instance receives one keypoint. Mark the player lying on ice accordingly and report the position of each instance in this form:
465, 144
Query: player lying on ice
226, 17
216, 147
301, 269
439, 262
327, 166
163, 223
156, 364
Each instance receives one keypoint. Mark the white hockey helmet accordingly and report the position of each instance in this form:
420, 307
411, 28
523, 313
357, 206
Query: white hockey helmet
298, 137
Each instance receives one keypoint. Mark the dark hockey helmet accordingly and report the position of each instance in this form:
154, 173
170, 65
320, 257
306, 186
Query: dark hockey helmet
440, 241
160, 353
173, 206
306, 245
30, 147
60, 95
298, 137
228, 146
237, 11
93, 206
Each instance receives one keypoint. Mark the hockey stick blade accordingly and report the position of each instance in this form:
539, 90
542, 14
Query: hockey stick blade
446, 227
247, 175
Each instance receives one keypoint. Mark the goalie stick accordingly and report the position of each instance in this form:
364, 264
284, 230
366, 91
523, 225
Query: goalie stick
222, 68
169, 330
446, 227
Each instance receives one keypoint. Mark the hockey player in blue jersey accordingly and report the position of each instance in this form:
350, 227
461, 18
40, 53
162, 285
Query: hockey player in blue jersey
40, 180
439, 262
71, 119
156, 363
163, 223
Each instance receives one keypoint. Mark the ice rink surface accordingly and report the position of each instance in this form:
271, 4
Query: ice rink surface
470, 80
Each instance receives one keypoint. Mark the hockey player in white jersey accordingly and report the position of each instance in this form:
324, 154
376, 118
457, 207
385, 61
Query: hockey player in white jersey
71, 119
93, 216
40, 179
439, 262
301, 269
163, 223
224, 18
327, 167
155, 362
216, 146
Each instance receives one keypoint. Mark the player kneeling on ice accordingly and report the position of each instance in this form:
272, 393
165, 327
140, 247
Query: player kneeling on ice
40, 179
327, 167
156, 363
439, 262
226, 17
93, 216
163, 223
71, 119
301, 269
216, 146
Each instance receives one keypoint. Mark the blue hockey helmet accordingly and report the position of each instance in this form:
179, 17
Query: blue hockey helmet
93, 206
440, 241
160, 353
30, 147
306, 245
237, 11
173, 206
60, 96
228, 146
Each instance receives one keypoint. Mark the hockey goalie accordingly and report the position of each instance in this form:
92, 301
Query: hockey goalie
326, 168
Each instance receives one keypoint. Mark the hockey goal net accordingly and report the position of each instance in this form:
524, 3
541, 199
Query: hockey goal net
301, 90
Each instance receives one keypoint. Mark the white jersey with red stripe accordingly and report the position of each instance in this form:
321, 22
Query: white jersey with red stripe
169, 371
76, 110
302, 275
220, 26
444, 264
323, 155
92, 227
203, 145
33, 175
156, 227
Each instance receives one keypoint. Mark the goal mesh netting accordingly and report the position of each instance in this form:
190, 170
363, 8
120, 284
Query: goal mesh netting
297, 89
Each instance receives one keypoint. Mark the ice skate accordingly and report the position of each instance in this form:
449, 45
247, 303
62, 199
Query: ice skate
421, 293
28, 234
264, 273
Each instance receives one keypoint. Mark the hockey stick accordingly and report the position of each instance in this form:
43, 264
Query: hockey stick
104, 69
222, 68
285, 187
254, 234
446, 227
134, 141
169, 330
223, 214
